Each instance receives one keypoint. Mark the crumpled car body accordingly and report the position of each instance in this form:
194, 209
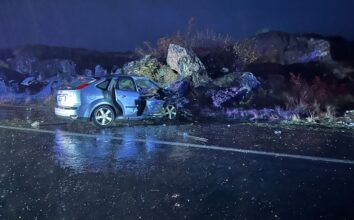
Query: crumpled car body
106, 99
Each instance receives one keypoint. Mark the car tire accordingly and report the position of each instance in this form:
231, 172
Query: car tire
171, 112
103, 116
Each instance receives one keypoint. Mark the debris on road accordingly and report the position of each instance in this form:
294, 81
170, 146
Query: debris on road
175, 196
277, 132
35, 124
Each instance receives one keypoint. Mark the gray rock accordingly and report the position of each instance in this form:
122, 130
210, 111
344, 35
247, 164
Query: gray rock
186, 63
100, 71
45, 69
35, 124
221, 96
285, 48
166, 76
23, 63
234, 86
88, 73
117, 71
224, 70
3, 87
249, 81
240, 79
349, 116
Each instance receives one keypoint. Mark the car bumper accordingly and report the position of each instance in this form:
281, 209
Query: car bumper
66, 113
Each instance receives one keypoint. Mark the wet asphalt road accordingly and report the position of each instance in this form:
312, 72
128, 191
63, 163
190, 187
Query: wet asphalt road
60, 175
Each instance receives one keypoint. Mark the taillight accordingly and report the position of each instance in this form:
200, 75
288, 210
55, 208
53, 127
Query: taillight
82, 86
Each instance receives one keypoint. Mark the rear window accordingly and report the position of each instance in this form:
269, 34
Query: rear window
78, 83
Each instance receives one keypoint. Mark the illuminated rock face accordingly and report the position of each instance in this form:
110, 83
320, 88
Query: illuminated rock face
186, 63
150, 67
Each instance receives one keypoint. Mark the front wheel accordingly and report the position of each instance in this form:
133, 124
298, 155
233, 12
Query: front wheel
171, 112
103, 116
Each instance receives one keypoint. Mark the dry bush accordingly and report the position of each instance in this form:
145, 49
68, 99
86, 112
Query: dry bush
208, 38
313, 98
191, 39
244, 54
330, 113
205, 43
160, 50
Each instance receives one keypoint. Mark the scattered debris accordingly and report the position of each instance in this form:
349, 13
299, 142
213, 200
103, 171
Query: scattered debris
277, 132
225, 70
35, 124
175, 196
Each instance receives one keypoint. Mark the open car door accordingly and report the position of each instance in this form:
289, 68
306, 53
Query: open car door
126, 95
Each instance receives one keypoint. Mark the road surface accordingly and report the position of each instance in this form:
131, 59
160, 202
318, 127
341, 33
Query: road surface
186, 171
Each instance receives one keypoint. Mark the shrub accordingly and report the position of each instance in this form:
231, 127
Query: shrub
244, 54
314, 98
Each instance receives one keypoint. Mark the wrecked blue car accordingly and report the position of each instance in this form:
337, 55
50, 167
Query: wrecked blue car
106, 99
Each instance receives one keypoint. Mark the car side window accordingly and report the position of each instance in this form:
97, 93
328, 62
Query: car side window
126, 84
103, 85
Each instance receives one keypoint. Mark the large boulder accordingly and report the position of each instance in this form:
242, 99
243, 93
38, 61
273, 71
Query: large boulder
187, 64
234, 87
284, 48
100, 71
241, 79
150, 67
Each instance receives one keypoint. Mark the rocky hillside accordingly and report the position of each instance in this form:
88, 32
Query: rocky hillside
306, 74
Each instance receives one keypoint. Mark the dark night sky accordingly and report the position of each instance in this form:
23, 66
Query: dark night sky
124, 25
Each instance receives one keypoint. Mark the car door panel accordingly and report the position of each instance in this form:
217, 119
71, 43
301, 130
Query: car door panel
127, 97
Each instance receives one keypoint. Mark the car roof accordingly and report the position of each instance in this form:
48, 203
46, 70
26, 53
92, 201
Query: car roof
116, 76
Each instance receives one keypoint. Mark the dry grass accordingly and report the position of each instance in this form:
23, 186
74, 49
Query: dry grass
313, 99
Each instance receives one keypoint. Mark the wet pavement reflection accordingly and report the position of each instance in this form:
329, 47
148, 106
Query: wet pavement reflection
103, 153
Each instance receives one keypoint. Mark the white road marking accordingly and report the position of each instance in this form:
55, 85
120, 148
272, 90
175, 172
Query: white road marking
208, 147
